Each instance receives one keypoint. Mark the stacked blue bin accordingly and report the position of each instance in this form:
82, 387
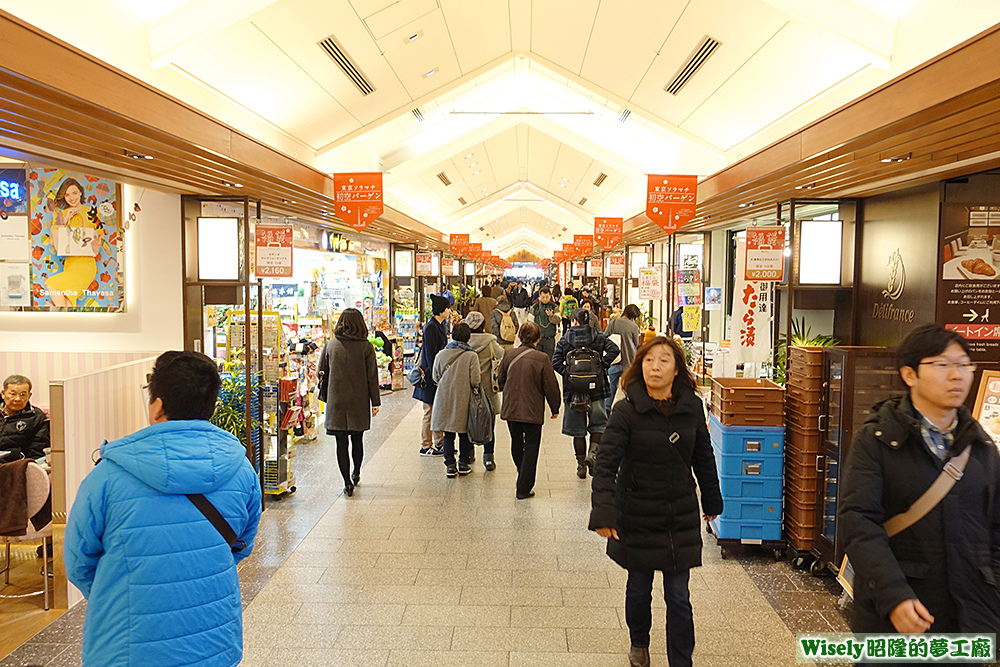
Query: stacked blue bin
750, 460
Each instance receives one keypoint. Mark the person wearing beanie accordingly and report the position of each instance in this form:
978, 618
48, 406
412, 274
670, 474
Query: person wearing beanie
434, 340
503, 323
490, 354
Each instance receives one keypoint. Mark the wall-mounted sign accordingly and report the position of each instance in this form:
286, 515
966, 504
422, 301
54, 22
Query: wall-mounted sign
595, 268
13, 191
425, 264
616, 266
765, 258
608, 232
273, 251
750, 328
579, 269
671, 200
987, 407
650, 284
358, 198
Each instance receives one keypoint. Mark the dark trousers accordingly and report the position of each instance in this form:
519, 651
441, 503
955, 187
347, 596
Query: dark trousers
524, 442
565, 325
464, 448
357, 451
547, 345
680, 621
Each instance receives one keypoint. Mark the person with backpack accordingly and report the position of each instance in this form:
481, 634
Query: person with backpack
627, 332
503, 323
583, 357
567, 306
528, 381
490, 353
456, 372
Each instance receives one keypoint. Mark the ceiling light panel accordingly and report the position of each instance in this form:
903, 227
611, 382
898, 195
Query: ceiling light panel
411, 61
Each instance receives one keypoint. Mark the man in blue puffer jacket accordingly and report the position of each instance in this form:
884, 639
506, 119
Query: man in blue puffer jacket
160, 580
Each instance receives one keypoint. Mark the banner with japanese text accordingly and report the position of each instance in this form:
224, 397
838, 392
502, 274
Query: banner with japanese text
608, 231
475, 251
671, 200
273, 251
750, 327
358, 198
616, 266
459, 244
583, 244
569, 251
765, 259
425, 264
650, 284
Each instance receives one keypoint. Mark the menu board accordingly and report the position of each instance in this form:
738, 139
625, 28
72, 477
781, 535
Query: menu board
987, 407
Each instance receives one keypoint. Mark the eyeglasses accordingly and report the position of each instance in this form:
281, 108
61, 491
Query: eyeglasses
946, 366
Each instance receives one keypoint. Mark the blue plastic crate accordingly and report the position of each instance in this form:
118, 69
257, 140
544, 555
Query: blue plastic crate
749, 439
752, 531
763, 465
737, 509
747, 487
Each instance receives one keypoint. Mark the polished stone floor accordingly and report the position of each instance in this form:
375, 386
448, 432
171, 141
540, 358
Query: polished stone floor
417, 569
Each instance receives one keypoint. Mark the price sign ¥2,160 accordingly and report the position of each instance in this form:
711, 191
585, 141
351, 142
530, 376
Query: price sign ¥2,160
273, 246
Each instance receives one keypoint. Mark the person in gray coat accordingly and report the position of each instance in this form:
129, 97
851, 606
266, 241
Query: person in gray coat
497, 323
627, 330
456, 372
490, 353
352, 393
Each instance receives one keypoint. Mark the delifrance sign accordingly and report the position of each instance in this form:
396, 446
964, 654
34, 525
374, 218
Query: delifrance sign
358, 198
273, 246
765, 257
671, 200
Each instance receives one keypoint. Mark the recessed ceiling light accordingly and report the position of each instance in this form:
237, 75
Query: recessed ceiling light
469, 155
414, 37
430, 73
473, 164
565, 179
475, 172
562, 185
486, 190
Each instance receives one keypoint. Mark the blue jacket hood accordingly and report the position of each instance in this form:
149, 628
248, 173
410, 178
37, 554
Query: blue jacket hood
179, 457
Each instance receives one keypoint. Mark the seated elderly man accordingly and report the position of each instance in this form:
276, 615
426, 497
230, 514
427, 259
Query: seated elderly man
24, 430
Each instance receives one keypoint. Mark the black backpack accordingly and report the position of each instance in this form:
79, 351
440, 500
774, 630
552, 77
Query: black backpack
583, 370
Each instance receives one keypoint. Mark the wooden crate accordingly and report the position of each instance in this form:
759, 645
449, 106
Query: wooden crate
749, 419
802, 422
747, 390
802, 408
812, 356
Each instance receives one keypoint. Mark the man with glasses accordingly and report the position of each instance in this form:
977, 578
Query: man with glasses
941, 573
24, 431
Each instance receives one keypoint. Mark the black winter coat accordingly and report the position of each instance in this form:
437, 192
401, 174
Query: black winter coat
352, 387
24, 434
433, 341
643, 485
584, 335
950, 559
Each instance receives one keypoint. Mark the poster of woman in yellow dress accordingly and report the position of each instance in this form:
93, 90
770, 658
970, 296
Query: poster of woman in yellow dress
76, 240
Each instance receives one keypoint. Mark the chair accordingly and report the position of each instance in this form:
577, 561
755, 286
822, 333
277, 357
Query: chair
38, 494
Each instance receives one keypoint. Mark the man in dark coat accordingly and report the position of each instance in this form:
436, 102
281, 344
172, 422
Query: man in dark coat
433, 341
940, 574
24, 429
577, 423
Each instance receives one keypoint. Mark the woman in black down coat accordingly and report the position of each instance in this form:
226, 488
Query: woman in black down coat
644, 497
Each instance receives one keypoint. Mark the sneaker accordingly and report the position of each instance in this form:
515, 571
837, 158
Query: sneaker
529, 494
432, 451
452, 471
464, 468
489, 463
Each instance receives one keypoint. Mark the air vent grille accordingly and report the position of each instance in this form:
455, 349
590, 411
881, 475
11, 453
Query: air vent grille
702, 52
444, 178
623, 116
344, 62
600, 179
583, 201
461, 200
418, 114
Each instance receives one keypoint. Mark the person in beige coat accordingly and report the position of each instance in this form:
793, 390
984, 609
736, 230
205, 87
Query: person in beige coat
490, 353
456, 372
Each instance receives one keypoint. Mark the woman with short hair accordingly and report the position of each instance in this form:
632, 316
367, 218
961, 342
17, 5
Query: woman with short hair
489, 351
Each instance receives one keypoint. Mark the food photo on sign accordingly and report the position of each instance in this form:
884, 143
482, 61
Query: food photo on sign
987, 407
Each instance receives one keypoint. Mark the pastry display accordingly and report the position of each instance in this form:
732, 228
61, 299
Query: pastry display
979, 267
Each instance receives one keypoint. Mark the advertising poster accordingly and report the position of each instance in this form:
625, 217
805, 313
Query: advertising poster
579, 269
358, 198
650, 284
969, 289
608, 231
987, 407
689, 288
425, 264
459, 243
616, 266
692, 318
595, 268
13, 192
75, 241
765, 258
671, 200
273, 251
713, 298
750, 328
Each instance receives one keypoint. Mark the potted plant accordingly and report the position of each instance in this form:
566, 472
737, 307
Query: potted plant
801, 337
230, 409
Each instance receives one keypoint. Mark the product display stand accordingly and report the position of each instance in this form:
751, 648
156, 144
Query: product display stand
278, 477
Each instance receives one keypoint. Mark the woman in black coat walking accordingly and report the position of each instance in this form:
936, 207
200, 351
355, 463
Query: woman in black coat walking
644, 499
352, 392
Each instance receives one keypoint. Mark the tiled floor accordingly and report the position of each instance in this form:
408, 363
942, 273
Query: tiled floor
417, 569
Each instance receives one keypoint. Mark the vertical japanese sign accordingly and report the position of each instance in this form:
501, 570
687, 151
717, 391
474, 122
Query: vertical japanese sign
969, 288
358, 198
750, 327
671, 200
579, 269
689, 288
691, 318
425, 264
650, 284
608, 231
595, 268
273, 251
459, 244
765, 257
616, 266
569, 251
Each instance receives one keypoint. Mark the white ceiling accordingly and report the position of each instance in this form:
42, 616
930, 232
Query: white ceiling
521, 100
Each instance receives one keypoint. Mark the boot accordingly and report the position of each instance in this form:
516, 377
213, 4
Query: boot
591, 460
638, 657
580, 449
581, 467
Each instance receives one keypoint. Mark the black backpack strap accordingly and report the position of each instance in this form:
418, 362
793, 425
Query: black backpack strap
217, 520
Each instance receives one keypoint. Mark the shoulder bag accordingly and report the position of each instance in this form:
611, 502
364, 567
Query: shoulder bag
415, 375
953, 471
479, 424
217, 520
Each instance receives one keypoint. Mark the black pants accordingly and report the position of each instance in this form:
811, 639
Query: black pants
357, 452
464, 448
680, 619
525, 440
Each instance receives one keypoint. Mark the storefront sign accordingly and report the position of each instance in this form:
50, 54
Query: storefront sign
608, 232
358, 198
273, 246
448, 267
579, 269
969, 288
987, 407
616, 266
765, 258
650, 284
671, 200
425, 264
689, 288
459, 244
750, 328
595, 268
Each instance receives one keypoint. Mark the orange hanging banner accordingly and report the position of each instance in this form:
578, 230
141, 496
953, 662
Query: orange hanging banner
671, 200
569, 251
475, 251
459, 243
584, 243
608, 231
358, 198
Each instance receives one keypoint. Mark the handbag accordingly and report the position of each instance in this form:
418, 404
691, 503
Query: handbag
415, 375
953, 471
481, 416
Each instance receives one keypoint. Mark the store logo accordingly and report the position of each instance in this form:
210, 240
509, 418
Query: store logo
897, 277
